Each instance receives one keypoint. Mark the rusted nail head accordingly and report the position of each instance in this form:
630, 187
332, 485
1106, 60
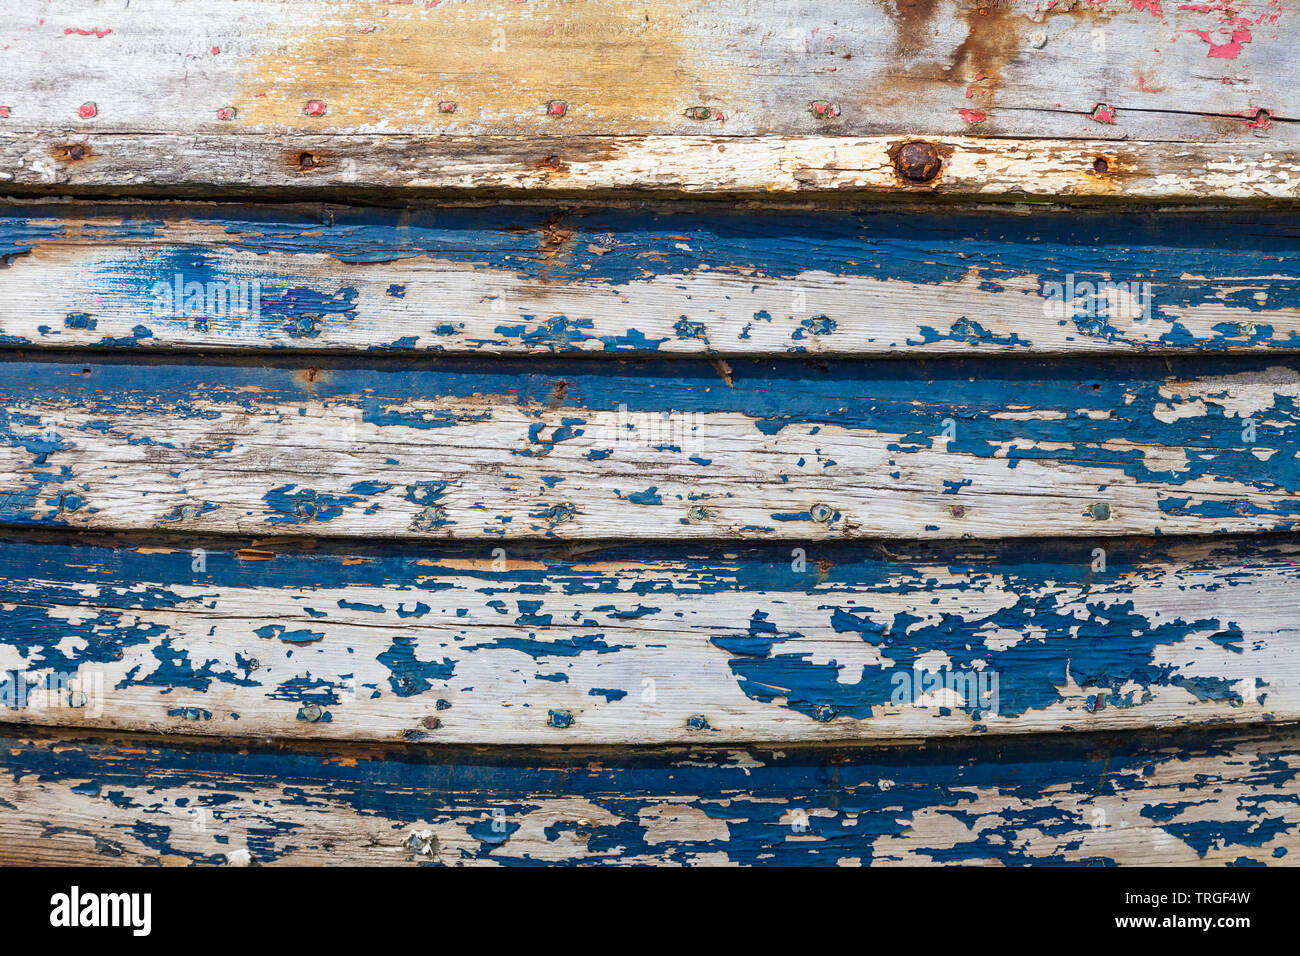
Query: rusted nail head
918, 162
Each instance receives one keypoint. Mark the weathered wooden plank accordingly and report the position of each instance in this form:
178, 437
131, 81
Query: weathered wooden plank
685, 449
76, 161
635, 644
1097, 99
1223, 798
552, 69
667, 280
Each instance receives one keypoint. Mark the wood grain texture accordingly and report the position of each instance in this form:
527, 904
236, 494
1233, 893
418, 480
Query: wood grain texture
77, 161
743, 450
633, 644
1213, 799
668, 280
738, 67
1105, 98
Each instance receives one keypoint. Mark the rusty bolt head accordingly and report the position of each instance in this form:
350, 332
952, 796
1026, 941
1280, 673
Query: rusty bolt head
918, 162
76, 152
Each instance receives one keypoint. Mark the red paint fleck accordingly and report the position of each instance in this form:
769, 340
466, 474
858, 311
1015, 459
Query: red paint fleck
556, 107
446, 106
1142, 85
1260, 119
216, 50
87, 110
85, 33
1225, 51
1151, 5
226, 113
973, 116
1102, 113
549, 32
314, 108
4, 112
369, 29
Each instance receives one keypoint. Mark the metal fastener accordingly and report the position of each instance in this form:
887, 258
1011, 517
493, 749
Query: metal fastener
821, 513
1100, 511
310, 713
918, 162
420, 841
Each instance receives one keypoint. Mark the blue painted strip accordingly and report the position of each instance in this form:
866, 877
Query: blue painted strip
793, 807
1105, 643
1190, 259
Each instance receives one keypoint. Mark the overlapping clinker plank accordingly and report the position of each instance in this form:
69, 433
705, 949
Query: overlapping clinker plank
1214, 798
681, 449
666, 280
639, 644
551, 69
1016, 97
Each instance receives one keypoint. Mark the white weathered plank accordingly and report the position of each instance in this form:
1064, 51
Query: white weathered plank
740, 67
71, 161
639, 645
668, 280
653, 450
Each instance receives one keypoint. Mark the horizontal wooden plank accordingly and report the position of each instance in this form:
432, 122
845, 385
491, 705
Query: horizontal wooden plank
667, 280
1222, 798
735, 96
686, 449
640, 644
77, 161
552, 69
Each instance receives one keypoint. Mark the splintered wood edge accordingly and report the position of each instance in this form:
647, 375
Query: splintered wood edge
70, 161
